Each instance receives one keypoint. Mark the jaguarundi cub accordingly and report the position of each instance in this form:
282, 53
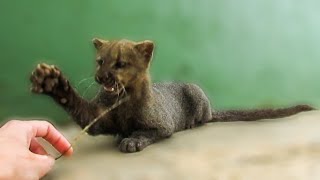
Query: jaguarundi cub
154, 111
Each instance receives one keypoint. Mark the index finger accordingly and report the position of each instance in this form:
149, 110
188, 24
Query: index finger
48, 132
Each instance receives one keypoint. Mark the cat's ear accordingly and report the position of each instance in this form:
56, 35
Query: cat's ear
146, 49
98, 43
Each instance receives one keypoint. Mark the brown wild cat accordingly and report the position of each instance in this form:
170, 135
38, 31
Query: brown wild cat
154, 111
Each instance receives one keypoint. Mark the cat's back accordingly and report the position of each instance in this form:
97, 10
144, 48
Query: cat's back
180, 101
169, 89
176, 88
178, 96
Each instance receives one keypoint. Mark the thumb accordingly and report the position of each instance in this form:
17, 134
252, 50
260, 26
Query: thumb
43, 164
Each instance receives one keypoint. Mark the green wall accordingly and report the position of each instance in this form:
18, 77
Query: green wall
249, 53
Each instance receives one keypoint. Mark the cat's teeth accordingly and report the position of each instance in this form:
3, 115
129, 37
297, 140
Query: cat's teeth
109, 89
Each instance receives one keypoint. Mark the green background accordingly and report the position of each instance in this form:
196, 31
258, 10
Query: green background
249, 53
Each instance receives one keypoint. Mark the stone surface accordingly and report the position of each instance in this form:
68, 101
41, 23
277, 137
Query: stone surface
287, 148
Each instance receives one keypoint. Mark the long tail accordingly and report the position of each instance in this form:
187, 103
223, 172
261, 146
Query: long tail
257, 114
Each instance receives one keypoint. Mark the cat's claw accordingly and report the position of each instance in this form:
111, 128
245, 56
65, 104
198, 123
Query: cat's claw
130, 145
49, 80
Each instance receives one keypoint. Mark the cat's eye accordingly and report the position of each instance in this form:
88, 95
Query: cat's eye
100, 62
120, 64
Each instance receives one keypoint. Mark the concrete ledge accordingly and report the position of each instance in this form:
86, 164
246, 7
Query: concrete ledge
287, 148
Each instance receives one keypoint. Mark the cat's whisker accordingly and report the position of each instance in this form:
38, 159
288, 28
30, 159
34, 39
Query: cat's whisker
98, 93
117, 87
124, 89
121, 86
124, 92
83, 80
87, 89
118, 91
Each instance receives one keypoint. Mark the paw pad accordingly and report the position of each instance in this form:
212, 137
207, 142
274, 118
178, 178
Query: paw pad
48, 79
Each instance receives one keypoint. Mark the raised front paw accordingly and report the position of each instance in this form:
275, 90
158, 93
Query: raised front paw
49, 80
130, 145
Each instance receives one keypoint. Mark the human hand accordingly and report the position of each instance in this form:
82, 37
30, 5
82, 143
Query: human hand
21, 156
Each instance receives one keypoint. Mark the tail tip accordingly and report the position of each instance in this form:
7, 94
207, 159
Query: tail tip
304, 107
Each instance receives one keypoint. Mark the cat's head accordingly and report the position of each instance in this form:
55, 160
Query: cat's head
122, 64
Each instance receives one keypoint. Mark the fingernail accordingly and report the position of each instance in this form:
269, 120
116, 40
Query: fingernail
69, 152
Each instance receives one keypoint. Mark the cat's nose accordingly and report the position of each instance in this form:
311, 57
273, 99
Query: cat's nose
107, 75
105, 78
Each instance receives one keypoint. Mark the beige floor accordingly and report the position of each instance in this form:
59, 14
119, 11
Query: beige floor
287, 148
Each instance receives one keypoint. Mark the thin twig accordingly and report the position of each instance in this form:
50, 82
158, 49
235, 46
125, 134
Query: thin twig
76, 138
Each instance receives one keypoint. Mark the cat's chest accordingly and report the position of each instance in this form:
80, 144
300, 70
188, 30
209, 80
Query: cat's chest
126, 119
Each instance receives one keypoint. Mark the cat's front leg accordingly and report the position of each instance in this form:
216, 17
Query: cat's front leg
48, 80
140, 140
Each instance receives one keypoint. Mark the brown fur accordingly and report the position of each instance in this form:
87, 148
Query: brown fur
154, 111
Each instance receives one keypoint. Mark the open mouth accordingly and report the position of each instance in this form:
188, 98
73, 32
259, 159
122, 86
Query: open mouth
111, 86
